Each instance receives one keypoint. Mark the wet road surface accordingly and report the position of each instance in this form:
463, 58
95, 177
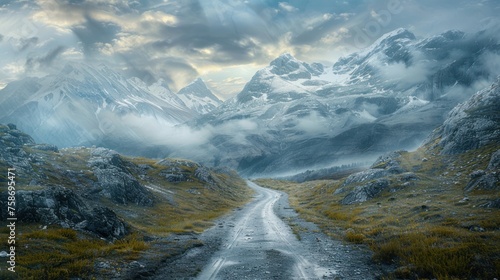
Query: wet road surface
254, 242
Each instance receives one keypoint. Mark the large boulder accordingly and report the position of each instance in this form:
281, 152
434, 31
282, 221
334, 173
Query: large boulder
366, 175
488, 179
115, 181
366, 192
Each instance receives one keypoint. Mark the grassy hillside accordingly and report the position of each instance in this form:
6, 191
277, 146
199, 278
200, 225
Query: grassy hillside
429, 227
186, 205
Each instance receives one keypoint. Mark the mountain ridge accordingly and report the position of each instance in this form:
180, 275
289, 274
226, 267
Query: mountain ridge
392, 94
87, 105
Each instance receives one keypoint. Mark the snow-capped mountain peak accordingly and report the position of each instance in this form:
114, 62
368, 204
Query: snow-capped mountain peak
198, 97
292, 69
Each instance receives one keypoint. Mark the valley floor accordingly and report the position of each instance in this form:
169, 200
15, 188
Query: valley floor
258, 242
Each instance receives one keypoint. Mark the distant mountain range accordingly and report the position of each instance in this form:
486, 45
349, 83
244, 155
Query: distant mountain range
291, 116
85, 105
388, 96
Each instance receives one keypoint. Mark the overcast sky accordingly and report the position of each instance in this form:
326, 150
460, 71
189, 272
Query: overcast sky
223, 41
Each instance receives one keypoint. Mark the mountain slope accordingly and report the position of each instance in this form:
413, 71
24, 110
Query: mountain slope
390, 95
81, 211
433, 212
85, 105
198, 97
472, 124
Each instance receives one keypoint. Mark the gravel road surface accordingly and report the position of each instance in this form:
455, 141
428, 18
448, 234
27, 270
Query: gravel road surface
255, 242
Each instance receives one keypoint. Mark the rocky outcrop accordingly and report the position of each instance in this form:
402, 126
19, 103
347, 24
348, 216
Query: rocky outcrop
14, 136
11, 148
178, 171
375, 179
105, 223
494, 163
115, 181
203, 174
61, 206
488, 179
46, 147
390, 162
366, 175
472, 124
175, 175
366, 192
51, 205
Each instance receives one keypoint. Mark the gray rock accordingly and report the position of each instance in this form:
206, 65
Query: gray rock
46, 147
366, 175
488, 179
177, 172
365, 192
12, 152
483, 181
477, 174
115, 181
204, 174
491, 204
384, 166
176, 177
494, 161
106, 223
408, 176
339, 191
389, 161
472, 124
178, 163
61, 206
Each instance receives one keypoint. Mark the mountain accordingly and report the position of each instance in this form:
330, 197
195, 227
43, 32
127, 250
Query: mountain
291, 116
86, 105
430, 213
297, 115
471, 126
198, 97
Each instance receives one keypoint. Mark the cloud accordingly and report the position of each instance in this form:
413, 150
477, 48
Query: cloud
287, 7
25, 43
14, 68
417, 71
313, 124
194, 37
42, 62
492, 62
176, 71
180, 140
93, 32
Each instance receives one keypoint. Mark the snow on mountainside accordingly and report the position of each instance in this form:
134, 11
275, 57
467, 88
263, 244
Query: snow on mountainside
389, 96
197, 97
90, 105
161, 90
290, 116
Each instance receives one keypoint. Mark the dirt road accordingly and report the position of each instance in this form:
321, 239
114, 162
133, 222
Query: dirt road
256, 243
